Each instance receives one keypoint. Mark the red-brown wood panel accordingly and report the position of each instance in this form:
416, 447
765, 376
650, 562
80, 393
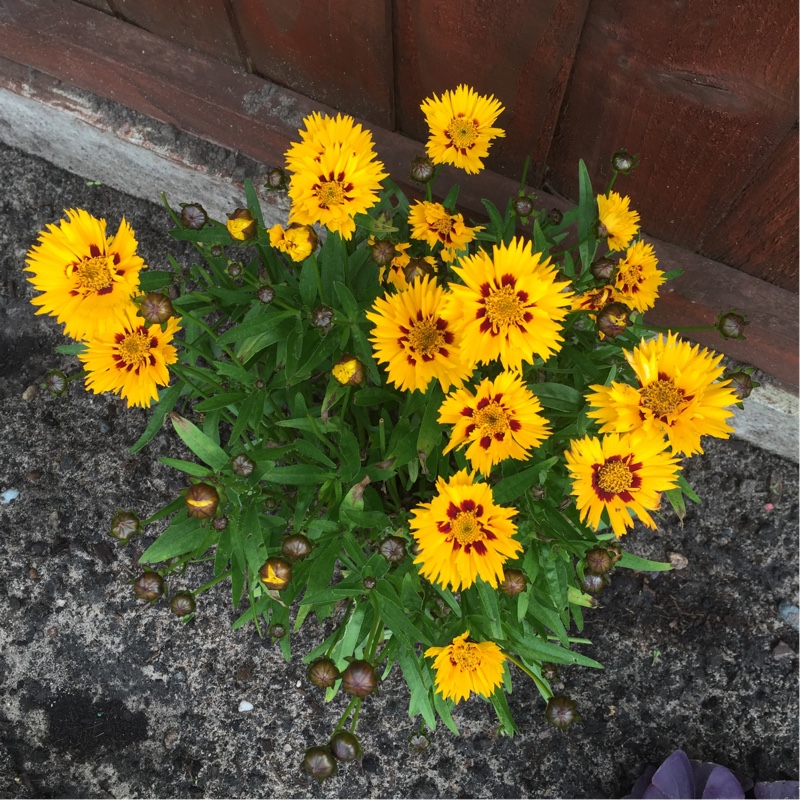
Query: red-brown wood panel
759, 235
203, 25
520, 51
702, 90
100, 5
338, 52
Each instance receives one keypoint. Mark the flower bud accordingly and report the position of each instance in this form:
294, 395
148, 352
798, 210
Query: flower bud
322, 318
241, 224
422, 169
219, 523
360, 678
124, 526
603, 270
523, 205
55, 382
296, 547
369, 583
201, 500
550, 671
561, 712
741, 383
235, 269
266, 294
613, 319
182, 603
259, 384
598, 560
555, 217
418, 742
393, 549
276, 573
593, 583
156, 308
622, 161
277, 631
383, 252
513, 582
349, 371
148, 586
345, 746
417, 268
732, 325
615, 551
323, 673
319, 763
276, 180
193, 216
242, 465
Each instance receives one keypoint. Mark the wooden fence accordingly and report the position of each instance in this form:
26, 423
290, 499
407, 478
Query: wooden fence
705, 91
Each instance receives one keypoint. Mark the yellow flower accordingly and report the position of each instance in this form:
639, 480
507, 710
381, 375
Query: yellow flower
434, 224
297, 241
348, 371
592, 301
462, 535
87, 280
132, 360
463, 667
413, 339
394, 273
461, 127
510, 307
637, 279
617, 221
335, 174
678, 395
241, 225
499, 421
620, 474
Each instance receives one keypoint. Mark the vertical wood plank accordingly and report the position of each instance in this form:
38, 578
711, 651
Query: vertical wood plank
202, 25
99, 5
759, 234
338, 52
701, 90
520, 51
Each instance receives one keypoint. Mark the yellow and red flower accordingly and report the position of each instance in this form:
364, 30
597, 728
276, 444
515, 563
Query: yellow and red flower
434, 224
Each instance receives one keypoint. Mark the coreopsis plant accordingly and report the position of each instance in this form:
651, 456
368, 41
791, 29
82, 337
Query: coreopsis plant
431, 429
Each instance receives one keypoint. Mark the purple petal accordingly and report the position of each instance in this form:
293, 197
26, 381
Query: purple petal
722, 784
642, 782
674, 779
777, 790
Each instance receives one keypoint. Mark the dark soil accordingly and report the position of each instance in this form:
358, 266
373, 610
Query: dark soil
105, 697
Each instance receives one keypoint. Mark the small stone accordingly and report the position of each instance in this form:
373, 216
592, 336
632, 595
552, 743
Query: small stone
30, 393
33, 475
781, 651
244, 706
789, 613
678, 560
170, 737
33, 574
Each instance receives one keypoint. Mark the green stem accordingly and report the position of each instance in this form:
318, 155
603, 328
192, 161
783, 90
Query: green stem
540, 684
374, 635
355, 716
680, 328
611, 182
265, 261
340, 628
429, 185
346, 714
319, 279
212, 333
221, 577
524, 175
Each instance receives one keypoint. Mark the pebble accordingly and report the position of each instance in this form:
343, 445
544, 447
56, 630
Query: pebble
244, 706
678, 560
781, 651
789, 613
30, 393
8, 495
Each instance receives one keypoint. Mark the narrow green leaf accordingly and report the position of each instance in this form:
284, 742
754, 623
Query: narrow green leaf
587, 214
347, 300
263, 321
500, 703
166, 402
151, 280
559, 397
180, 537
643, 564
71, 349
420, 702
199, 443
189, 467
298, 474
395, 617
509, 489
488, 598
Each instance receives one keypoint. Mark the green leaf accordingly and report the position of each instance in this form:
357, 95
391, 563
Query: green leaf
252, 202
151, 280
166, 402
351, 456
180, 537
644, 565
347, 300
249, 414
352, 632
220, 401
559, 397
675, 497
201, 445
430, 430
587, 214
488, 598
497, 224
420, 702
298, 474
509, 489
500, 703
263, 322
188, 467
687, 489
308, 282
71, 349
394, 616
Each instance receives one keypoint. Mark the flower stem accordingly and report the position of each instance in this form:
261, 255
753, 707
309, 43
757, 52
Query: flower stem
540, 684
679, 328
524, 175
221, 577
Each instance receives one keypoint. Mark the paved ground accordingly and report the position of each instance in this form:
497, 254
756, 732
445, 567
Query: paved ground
102, 697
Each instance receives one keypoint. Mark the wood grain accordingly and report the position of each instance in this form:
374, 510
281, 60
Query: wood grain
338, 53
759, 233
203, 25
520, 51
703, 91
